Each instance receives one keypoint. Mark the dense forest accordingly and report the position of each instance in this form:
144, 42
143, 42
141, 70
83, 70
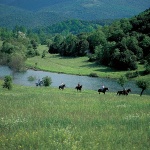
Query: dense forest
39, 13
120, 45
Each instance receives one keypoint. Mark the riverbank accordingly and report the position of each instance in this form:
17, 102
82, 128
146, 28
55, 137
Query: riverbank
76, 66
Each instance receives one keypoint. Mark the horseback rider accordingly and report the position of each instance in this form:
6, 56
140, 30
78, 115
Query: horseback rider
103, 87
78, 84
62, 83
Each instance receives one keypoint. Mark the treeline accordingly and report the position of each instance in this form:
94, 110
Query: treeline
73, 26
120, 45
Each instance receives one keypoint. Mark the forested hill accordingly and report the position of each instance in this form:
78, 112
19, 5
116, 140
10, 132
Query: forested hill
122, 45
34, 13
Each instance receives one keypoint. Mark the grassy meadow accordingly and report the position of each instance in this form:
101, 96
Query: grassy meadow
47, 118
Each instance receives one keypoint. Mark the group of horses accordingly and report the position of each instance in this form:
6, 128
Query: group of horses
79, 88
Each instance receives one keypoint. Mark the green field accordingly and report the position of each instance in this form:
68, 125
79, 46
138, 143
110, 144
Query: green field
75, 65
45, 118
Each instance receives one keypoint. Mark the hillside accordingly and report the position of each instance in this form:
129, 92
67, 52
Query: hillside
43, 13
15, 16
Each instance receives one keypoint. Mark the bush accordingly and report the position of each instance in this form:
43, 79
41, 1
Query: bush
92, 57
47, 81
43, 54
132, 74
31, 78
7, 82
93, 75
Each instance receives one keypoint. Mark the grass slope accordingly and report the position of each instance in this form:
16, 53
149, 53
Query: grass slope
48, 118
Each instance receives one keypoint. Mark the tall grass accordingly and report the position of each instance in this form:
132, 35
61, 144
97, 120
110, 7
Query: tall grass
49, 118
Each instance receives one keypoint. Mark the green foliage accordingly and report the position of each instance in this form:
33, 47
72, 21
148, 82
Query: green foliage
120, 45
132, 74
17, 62
71, 26
122, 80
47, 81
7, 48
93, 74
34, 44
51, 12
31, 78
32, 52
96, 38
44, 54
69, 46
7, 82
5, 33
128, 43
143, 85
147, 65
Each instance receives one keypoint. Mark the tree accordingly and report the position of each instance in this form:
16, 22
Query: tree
69, 46
82, 47
123, 60
143, 85
122, 80
95, 39
7, 48
34, 44
17, 62
103, 52
47, 81
147, 65
7, 82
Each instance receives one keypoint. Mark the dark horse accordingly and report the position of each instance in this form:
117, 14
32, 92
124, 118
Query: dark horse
124, 92
62, 86
103, 90
78, 88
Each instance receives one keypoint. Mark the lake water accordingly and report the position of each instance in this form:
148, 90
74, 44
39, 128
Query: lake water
92, 83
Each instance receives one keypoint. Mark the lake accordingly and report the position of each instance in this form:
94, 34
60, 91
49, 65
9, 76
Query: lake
92, 83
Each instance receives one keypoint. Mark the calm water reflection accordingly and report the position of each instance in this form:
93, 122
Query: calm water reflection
70, 80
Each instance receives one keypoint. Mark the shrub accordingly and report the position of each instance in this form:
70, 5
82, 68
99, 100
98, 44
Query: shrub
47, 81
93, 75
7, 82
43, 54
31, 78
122, 80
92, 57
132, 74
